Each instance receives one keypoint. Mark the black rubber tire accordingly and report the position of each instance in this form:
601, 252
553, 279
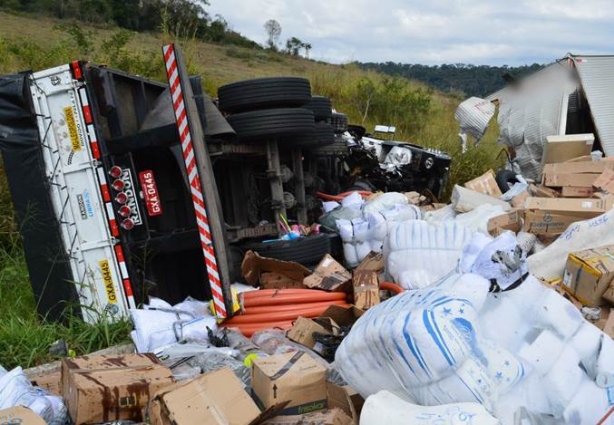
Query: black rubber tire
339, 122
322, 135
261, 93
307, 250
505, 179
321, 107
272, 123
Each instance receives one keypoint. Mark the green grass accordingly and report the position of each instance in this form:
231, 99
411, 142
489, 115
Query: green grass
24, 338
39, 43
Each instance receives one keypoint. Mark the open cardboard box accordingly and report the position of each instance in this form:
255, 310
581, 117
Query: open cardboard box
329, 322
215, 398
339, 399
329, 275
270, 273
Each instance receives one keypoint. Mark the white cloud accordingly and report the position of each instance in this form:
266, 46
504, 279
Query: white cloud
432, 32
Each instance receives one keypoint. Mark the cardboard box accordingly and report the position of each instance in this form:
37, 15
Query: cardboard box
366, 289
518, 200
20, 415
254, 266
577, 192
564, 148
329, 322
486, 184
509, 221
215, 398
293, 377
272, 280
608, 295
50, 382
303, 329
374, 261
543, 191
578, 207
333, 416
330, 276
564, 179
591, 167
605, 181
108, 388
589, 273
546, 223
345, 399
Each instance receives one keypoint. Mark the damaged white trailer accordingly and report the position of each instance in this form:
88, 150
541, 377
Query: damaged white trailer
571, 96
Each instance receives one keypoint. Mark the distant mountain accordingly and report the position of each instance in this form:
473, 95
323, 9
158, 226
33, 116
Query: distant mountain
462, 80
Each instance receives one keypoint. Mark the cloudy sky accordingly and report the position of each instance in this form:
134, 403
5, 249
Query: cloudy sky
491, 32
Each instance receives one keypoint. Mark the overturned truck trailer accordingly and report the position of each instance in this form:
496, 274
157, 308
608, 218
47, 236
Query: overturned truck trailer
574, 95
109, 211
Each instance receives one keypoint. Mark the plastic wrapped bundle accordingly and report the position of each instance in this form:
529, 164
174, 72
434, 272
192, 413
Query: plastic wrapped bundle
386, 408
16, 390
492, 335
418, 254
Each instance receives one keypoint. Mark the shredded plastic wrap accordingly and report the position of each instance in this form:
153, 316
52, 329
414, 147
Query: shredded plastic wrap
521, 347
210, 361
17, 390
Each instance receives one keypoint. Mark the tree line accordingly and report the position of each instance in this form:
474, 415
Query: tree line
182, 18
462, 80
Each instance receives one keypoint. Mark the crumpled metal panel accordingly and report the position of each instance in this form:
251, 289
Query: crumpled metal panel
597, 78
531, 110
473, 116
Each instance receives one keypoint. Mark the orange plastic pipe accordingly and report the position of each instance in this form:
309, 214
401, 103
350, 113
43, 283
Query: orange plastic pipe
249, 329
278, 316
316, 296
277, 292
290, 307
389, 286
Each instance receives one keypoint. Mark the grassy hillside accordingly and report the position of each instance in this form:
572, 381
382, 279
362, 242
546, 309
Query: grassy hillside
424, 117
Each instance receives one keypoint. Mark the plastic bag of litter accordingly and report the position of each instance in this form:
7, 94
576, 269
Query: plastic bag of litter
17, 390
214, 360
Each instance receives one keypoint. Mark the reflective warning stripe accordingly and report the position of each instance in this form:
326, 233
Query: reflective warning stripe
119, 253
198, 201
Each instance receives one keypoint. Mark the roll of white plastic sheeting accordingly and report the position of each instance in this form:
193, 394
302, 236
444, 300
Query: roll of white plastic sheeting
549, 263
522, 353
418, 254
386, 408
477, 220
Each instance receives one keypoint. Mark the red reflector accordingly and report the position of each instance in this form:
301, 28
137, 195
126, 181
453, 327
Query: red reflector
87, 114
128, 287
119, 185
114, 228
95, 150
127, 224
76, 70
120, 253
115, 172
125, 211
121, 198
106, 195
